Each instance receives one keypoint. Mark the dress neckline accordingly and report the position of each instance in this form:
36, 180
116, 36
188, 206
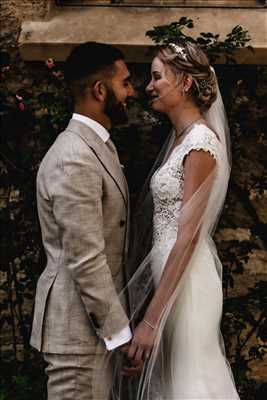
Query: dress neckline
176, 147
191, 128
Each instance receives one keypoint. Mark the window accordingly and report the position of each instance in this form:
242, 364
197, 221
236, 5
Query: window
47, 38
166, 3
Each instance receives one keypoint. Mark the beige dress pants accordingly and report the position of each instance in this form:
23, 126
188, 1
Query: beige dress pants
77, 377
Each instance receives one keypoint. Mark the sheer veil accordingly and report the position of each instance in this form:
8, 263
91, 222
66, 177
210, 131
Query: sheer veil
197, 222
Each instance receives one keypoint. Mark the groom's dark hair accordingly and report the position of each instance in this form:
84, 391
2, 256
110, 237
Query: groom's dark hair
88, 60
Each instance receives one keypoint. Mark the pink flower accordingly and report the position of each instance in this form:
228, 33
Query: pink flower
50, 63
6, 68
19, 98
21, 106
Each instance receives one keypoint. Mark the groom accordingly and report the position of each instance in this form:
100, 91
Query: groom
82, 200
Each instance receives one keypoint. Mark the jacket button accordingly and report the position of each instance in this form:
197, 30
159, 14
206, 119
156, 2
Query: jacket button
122, 223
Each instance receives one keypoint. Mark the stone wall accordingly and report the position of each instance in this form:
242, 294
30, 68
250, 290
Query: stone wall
14, 12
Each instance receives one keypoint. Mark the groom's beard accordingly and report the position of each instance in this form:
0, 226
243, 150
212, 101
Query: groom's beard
115, 109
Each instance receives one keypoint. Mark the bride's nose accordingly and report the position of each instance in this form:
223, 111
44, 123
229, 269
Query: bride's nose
149, 87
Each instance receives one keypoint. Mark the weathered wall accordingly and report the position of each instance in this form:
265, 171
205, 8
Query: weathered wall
13, 12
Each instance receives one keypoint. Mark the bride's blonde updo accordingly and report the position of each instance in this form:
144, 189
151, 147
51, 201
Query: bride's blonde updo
190, 59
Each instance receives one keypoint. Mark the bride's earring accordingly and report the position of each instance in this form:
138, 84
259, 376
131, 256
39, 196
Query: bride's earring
184, 90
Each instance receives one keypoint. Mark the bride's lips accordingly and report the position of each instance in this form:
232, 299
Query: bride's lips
153, 98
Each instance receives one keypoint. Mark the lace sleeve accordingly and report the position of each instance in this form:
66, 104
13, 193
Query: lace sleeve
201, 138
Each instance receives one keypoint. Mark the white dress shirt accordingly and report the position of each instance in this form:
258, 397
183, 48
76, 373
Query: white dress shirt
125, 334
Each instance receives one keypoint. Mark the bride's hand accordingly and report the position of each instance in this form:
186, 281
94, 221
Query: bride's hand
142, 342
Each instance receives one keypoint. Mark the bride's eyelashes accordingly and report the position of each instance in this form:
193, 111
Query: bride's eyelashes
156, 75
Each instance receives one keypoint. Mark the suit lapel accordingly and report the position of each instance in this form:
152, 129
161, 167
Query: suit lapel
104, 155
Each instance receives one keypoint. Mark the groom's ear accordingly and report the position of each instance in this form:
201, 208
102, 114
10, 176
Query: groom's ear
99, 91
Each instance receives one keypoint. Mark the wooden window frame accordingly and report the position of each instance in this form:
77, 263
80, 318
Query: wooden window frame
165, 3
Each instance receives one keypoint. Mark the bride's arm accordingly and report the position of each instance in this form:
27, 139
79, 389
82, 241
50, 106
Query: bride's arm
199, 170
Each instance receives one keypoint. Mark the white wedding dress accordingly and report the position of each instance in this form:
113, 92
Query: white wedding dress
197, 367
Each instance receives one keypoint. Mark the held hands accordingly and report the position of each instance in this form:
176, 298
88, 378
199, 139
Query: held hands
140, 348
143, 341
131, 367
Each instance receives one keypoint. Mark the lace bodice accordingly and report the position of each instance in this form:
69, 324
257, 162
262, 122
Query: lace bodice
167, 184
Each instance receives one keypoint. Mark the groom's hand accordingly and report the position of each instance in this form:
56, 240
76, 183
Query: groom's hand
131, 367
135, 368
125, 348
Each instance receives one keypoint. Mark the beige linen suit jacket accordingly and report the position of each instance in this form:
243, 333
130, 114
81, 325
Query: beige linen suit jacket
82, 200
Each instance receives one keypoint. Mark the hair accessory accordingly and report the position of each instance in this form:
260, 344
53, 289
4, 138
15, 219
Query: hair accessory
179, 50
205, 83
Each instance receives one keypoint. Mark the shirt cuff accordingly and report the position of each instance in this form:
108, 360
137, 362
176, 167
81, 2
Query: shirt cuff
118, 339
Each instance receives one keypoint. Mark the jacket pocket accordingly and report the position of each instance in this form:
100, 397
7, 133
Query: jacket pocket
44, 286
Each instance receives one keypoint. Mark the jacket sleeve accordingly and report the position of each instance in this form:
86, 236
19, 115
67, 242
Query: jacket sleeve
77, 207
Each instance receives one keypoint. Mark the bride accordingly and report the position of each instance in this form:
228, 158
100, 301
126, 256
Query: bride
175, 295
179, 335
